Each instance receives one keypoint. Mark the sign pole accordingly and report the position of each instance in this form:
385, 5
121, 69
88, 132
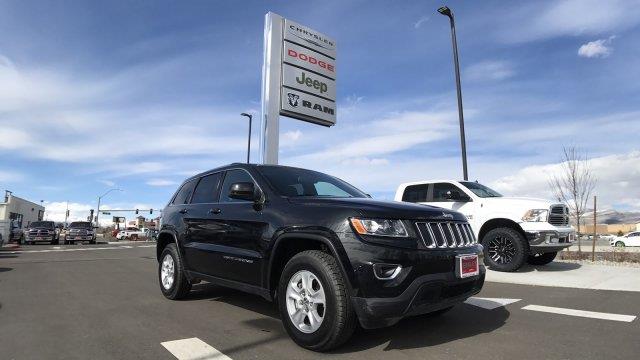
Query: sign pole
271, 74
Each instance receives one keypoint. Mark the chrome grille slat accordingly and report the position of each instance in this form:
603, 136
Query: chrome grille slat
446, 234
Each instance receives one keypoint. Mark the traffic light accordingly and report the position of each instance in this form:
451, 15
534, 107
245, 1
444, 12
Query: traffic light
90, 218
151, 212
67, 213
136, 211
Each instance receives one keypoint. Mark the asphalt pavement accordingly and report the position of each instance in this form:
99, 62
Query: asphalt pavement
103, 302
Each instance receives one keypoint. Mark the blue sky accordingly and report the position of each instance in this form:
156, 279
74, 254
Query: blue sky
139, 95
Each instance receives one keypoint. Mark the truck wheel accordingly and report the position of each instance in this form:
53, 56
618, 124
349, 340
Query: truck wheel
314, 303
542, 259
505, 249
173, 279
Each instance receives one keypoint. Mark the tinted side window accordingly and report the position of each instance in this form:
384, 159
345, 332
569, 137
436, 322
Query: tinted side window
185, 193
207, 189
415, 193
232, 177
440, 190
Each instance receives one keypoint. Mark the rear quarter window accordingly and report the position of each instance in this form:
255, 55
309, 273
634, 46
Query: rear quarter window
415, 193
184, 194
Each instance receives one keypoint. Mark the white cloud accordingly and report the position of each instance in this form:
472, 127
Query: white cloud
161, 182
543, 20
614, 173
489, 70
420, 21
10, 176
596, 49
107, 182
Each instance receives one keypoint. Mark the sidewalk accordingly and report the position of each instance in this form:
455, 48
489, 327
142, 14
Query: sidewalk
572, 275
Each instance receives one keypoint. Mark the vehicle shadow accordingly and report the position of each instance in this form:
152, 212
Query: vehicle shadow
4, 269
461, 322
552, 267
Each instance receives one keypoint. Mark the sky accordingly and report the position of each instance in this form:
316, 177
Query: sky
139, 95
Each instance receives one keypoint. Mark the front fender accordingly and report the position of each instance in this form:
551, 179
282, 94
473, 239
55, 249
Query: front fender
323, 235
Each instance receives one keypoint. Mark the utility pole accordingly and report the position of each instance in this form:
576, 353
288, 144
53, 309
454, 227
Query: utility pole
66, 215
99, 199
463, 142
249, 137
595, 233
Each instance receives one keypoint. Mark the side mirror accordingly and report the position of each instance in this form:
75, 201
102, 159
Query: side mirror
243, 191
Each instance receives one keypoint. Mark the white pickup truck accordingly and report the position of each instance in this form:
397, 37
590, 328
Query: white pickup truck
512, 230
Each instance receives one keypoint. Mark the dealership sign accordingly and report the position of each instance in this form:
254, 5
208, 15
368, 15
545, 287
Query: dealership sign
298, 79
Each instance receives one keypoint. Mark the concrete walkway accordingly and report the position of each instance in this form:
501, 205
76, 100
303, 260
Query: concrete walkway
572, 275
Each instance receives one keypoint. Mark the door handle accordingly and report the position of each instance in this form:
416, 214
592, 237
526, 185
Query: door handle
214, 211
183, 211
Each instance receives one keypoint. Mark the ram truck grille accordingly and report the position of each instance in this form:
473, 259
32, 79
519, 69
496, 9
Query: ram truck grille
559, 215
446, 234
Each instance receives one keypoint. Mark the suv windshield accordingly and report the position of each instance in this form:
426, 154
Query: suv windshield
42, 224
293, 182
80, 225
480, 190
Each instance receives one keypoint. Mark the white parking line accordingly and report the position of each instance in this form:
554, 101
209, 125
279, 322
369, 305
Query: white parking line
192, 349
580, 313
490, 303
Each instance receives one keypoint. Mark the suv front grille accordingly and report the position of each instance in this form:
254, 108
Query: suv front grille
446, 234
559, 215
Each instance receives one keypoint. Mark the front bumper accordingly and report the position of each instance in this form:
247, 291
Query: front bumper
427, 293
544, 237
79, 237
41, 237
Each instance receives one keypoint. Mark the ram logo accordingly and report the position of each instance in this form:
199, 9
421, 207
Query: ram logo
293, 99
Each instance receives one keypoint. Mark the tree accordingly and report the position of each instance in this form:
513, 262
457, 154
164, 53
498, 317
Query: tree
574, 183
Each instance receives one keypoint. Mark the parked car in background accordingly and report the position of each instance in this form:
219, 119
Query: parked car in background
631, 239
330, 254
41, 231
512, 230
80, 231
151, 234
130, 234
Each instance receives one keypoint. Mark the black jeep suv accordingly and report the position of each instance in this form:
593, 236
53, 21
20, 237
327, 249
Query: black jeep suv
325, 250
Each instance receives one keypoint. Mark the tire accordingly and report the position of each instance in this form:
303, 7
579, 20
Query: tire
542, 259
619, 244
338, 320
508, 247
178, 287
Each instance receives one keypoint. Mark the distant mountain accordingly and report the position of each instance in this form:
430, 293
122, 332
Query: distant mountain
614, 217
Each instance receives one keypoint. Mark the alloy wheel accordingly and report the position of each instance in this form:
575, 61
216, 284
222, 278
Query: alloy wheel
167, 272
501, 250
306, 301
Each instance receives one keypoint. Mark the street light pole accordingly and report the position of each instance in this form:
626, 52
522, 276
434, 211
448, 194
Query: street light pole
463, 143
99, 199
249, 137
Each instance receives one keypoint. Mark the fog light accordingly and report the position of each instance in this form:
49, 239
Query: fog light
386, 271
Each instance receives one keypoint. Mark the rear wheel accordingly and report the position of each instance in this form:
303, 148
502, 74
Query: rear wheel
542, 259
505, 249
313, 301
171, 275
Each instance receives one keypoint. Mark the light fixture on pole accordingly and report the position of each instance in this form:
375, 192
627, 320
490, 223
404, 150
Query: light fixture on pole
99, 199
463, 143
249, 140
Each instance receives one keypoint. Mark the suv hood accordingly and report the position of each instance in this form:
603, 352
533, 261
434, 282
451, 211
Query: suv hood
383, 209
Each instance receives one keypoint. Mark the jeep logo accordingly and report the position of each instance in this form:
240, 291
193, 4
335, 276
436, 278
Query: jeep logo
316, 84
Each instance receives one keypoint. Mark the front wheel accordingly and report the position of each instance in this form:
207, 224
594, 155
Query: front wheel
314, 302
620, 244
171, 275
542, 259
505, 249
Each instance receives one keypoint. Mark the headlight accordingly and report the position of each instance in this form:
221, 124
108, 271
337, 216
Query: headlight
536, 215
379, 227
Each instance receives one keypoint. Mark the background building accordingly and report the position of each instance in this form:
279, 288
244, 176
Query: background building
17, 213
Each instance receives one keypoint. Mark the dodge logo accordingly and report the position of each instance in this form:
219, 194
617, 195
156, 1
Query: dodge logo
293, 99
